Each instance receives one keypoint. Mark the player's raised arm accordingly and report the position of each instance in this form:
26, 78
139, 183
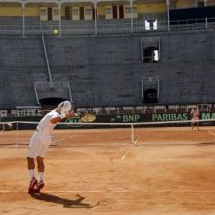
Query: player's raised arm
62, 117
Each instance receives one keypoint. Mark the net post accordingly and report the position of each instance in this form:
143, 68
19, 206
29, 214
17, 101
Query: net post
132, 133
17, 128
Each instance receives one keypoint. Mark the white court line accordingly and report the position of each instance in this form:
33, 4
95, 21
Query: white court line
129, 150
64, 138
210, 132
123, 157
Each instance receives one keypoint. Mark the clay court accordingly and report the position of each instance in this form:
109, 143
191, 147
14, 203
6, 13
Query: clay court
168, 171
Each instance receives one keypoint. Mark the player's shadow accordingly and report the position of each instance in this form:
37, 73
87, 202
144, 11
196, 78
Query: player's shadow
206, 144
67, 203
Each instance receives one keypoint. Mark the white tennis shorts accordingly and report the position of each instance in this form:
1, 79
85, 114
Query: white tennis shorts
39, 144
195, 120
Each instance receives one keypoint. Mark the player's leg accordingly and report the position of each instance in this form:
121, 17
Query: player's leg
192, 125
34, 149
45, 142
33, 180
197, 125
41, 167
31, 167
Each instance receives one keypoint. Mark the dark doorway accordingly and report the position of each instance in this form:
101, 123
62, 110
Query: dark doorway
150, 96
121, 12
49, 13
81, 10
115, 12
67, 13
50, 103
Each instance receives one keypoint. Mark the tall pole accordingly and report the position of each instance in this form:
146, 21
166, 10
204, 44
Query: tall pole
132, 134
59, 19
168, 16
131, 14
95, 17
23, 19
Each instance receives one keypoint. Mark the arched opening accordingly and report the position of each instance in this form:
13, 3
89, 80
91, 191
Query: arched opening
50, 103
151, 55
150, 96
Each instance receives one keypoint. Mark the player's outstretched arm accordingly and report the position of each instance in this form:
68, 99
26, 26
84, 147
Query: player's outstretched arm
63, 117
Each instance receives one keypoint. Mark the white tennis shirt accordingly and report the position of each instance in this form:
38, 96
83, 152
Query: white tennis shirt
45, 126
195, 114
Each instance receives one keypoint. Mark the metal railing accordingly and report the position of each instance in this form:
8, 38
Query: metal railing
45, 53
68, 27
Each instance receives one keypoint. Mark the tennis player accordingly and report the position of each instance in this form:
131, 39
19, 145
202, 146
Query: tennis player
41, 140
195, 117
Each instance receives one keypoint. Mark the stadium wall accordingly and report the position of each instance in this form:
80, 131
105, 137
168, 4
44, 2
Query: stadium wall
105, 71
108, 70
22, 62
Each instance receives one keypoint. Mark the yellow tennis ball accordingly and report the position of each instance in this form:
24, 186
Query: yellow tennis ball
56, 32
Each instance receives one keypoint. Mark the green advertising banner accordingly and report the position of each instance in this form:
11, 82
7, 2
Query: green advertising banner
125, 118
154, 117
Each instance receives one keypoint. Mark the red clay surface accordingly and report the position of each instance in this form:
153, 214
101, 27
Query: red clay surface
98, 172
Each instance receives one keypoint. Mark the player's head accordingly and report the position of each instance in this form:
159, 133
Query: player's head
64, 107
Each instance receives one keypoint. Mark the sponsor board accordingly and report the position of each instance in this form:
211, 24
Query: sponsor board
124, 118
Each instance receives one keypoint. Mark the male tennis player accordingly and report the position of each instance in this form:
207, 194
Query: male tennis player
195, 117
41, 140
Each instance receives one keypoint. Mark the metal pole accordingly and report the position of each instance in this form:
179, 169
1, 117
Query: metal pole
158, 86
142, 89
70, 93
95, 17
17, 139
59, 19
168, 16
36, 94
132, 133
131, 14
23, 19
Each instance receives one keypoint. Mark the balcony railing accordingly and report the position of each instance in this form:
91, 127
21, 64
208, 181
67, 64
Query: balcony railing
14, 26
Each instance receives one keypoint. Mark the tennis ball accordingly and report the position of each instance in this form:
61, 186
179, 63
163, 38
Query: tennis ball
56, 32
